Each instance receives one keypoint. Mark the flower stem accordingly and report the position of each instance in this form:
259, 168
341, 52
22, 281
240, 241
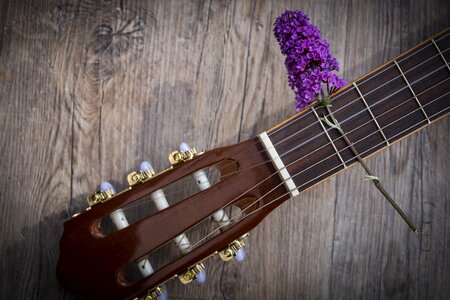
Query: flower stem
369, 175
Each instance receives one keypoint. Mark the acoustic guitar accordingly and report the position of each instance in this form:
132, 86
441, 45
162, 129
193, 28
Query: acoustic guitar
106, 254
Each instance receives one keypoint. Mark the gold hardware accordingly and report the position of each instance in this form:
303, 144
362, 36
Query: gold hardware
177, 157
99, 197
230, 251
191, 273
154, 294
138, 177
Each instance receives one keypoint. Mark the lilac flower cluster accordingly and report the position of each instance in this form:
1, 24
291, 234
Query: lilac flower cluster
308, 59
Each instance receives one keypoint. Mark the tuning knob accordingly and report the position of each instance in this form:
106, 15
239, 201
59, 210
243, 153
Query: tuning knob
184, 154
240, 255
101, 196
219, 216
146, 172
160, 201
196, 272
120, 221
158, 293
233, 250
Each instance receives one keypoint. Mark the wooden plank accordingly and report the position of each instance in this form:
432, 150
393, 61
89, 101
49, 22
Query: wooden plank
35, 150
90, 88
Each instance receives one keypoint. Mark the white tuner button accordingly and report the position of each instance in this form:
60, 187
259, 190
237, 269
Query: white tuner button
219, 216
121, 222
160, 201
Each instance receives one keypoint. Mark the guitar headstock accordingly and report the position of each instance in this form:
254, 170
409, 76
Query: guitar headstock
105, 255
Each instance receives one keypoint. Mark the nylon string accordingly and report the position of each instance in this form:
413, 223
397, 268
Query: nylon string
322, 132
303, 185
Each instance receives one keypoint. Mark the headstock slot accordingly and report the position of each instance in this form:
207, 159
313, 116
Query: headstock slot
174, 192
201, 233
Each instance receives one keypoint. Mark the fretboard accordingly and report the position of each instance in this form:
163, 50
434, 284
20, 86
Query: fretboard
375, 111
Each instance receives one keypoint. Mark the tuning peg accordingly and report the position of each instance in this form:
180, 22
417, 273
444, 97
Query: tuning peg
165, 295
117, 216
100, 196
185, 147
160, 200
240, 255
158, 293
120, 221
233, 251
184, 154
219, 216
196, 272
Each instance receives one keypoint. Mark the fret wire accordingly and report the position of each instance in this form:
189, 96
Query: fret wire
301, 158
348, 119
365, 137
297, 187
385, 83
414, 94
298, 118
302, 129
379, 144
389, 110
440, 53
328, 136
371, 114
369, 173
366, 151
362, 139
415, 52
427, 104
338, 166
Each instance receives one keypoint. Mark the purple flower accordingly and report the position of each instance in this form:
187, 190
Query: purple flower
308, 61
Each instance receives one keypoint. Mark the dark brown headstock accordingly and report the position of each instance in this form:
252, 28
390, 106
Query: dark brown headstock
92, 262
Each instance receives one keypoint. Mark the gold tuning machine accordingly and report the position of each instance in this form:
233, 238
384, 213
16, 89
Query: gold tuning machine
99, 197
229, 252
154, 294
137, 177
180, 156
191, 273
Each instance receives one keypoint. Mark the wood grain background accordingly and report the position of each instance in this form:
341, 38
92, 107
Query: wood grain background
90, 88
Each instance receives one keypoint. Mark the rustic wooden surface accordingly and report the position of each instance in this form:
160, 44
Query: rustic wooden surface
90, 88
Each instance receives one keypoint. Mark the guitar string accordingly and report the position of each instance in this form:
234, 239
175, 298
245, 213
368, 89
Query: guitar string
349, 118
429, 44
372, 106
216, 230
337, 110
349, 160
325, 145
301, 186
171, 193
332, 141
259, 199
339, 166
376, 132
380, 86
351, 87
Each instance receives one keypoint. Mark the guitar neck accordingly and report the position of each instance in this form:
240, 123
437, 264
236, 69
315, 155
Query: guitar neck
373, 112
